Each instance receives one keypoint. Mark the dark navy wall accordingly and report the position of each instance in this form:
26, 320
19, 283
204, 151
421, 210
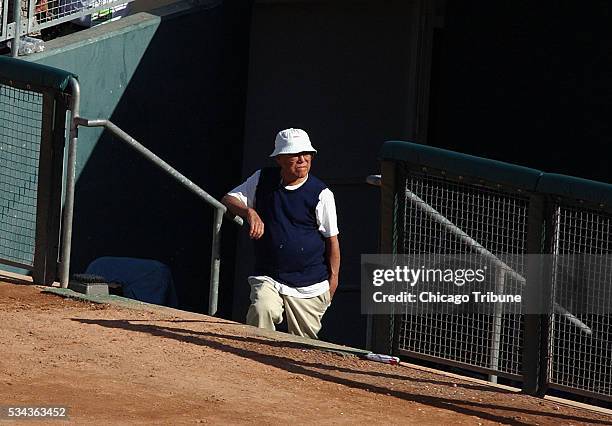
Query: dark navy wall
527, 83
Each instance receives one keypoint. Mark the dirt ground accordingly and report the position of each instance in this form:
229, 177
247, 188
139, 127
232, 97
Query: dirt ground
114, 365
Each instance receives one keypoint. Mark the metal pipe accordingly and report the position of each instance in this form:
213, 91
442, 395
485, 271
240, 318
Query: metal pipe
465, 238
220, 209
159, 163
215, 263
374, 180
3, 18
497, 326
64, 272
555, 272
17, 20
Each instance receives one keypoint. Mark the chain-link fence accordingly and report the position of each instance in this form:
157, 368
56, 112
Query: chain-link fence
582, 277
20, 140
37, 15
447, 218
446, 203
33, 111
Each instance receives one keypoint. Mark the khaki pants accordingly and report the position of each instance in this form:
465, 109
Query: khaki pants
267, 306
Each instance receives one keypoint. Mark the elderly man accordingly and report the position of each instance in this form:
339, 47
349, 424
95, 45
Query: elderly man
292, 218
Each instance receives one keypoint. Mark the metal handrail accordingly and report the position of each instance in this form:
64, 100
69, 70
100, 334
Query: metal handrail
220, 209
68, 213
376, 180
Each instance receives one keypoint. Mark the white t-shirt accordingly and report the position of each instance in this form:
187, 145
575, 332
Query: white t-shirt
326, 219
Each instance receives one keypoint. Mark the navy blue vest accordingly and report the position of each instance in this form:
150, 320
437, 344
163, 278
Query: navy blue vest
291, 250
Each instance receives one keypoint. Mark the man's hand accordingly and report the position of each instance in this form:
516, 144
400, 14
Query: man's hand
238, 208
257, 225
333, 285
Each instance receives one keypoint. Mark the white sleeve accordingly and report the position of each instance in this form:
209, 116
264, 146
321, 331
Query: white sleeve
326, 214
245, 192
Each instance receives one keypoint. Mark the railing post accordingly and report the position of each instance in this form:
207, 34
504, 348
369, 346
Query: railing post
17, 20
44, 194
380, 333
70, 181
57, 176
215, 263
498, 312
535, 299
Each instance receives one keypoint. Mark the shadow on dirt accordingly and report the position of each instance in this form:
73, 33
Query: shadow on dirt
223, 342
14, 280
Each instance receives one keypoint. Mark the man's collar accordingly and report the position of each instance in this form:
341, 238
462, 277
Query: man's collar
294, 186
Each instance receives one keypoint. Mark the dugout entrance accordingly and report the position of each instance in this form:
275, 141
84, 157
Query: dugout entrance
39, 121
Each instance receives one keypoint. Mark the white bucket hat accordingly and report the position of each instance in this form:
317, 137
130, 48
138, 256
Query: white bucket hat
292, 141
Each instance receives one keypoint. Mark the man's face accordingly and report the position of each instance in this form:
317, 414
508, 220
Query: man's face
295, 165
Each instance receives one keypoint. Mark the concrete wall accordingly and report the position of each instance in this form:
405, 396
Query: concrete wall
175, 80
341, 71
